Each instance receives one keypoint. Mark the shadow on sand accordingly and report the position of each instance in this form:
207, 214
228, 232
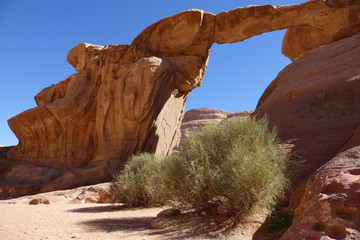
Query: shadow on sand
99, 209
187, 226
118, 224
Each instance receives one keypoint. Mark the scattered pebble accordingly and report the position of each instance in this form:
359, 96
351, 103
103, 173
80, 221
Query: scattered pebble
213, 224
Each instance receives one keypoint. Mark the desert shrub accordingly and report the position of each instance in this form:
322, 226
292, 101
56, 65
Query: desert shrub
236, 164
140, 183
278, 219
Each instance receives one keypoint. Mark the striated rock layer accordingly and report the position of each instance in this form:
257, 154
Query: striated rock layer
315, 103
195, 119
127, 99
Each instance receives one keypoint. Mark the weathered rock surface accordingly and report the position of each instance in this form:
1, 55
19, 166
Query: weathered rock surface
315, 103
127, 99
310, 24
328, 205
121, 102
343, 20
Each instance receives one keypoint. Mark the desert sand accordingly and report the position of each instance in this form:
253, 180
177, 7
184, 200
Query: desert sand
75, 221
86, 221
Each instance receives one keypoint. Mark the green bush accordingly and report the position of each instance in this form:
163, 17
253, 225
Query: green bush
278, 219
140, 183
237, 164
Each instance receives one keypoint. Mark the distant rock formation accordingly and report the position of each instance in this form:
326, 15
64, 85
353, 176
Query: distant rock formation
197, 118
315, 104
127, 99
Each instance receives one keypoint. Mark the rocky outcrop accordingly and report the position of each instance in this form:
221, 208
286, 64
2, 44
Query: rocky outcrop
315, 104
328, 26
127, 99
99, 193
122, 101
328, 203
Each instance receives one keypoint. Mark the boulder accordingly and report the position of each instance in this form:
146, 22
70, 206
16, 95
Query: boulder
99, 193
168, 213
37, 201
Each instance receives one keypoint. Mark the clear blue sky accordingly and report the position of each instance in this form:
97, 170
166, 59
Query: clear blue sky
36, 35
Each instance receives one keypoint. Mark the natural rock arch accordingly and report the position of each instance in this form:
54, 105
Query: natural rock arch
127, 99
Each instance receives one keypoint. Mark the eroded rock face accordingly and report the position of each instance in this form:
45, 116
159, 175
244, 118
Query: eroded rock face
310, 24
329, 201
127, 99
343, 20
115, 106
315, 103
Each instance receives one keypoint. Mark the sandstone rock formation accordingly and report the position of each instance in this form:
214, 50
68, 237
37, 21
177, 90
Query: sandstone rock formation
330, 200
315, 103
127, 99
310, 24
326, 27
121, 102
197, 118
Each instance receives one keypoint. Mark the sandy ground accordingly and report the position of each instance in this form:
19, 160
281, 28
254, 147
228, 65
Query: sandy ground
85, 221
68, 217
75, 221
